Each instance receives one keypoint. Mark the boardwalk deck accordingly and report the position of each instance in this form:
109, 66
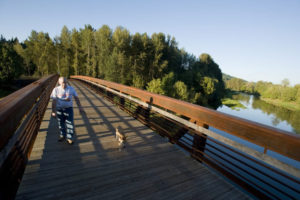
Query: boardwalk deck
94, 167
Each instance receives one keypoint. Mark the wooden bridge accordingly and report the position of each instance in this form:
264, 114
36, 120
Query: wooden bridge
174, 150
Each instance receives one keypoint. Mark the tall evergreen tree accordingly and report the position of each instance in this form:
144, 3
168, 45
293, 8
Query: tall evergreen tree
121, 40
103, 41
159, 63
66, 57
58, 52
47, 59
77, 52
141, 57
10, 61
27, 64
87, 35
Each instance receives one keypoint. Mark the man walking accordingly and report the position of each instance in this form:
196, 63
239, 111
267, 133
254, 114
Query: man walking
62, 108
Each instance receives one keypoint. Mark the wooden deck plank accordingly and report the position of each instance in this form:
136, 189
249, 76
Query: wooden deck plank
94, 167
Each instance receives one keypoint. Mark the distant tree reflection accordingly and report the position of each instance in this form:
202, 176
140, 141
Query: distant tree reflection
280, 113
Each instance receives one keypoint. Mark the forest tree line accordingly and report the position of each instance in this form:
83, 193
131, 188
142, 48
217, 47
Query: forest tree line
282, 91
154, 63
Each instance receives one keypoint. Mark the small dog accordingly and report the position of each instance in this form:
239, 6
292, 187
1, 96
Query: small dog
121, 138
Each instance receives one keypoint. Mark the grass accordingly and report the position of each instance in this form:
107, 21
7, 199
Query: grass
230, 102
294, 106
233, 104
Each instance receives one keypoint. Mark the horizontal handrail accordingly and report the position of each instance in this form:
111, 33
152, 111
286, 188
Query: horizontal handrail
276, 140
199, 130
21, 114
15, 106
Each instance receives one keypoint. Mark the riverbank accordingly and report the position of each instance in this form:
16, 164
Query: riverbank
294, 106
231, 101
264, 112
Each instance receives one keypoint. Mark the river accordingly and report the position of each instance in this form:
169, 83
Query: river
257, 110
254, 109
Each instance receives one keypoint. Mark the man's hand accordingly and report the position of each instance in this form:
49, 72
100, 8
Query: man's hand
53, 108
53, 114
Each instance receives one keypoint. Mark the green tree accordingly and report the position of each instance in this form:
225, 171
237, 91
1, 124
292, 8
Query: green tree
112, 72
236, 84
121, 41
155, 86
27, 64
289, 94
168, 82
181, 91
275, 92
140, 59
47, 59
208, 85
297, 87
34, 46
103, 40
159, 63
285, 82
88, 46
250, 87
58, 51
66, 57
10, 61
39, 51
261, 87
77, 52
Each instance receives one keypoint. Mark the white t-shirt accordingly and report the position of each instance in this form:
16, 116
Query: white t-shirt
62, 95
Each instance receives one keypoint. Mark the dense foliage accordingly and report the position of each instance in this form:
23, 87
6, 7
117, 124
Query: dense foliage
264, 89
154, 63
10, 60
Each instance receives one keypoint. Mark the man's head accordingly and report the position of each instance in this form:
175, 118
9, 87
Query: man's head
63, 82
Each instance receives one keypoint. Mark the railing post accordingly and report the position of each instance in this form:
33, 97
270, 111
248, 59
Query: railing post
137, 111
181, 132
199, 142
122, 101
147, 111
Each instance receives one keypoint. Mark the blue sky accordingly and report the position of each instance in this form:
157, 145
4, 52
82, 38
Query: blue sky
250, 39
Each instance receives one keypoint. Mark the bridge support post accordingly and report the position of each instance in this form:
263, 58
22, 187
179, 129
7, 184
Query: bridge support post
137, 111
181, 132
199, 142
147, 110
122, 101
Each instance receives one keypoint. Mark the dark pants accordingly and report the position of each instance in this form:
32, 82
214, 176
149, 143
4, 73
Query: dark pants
65, 122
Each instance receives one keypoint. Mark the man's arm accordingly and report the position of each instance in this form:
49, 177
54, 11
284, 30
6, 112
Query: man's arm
54, 107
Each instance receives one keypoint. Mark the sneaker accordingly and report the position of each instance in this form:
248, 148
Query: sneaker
70, 141
61, 138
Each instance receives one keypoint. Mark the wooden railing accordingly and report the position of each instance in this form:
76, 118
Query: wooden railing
21, 114
245, 152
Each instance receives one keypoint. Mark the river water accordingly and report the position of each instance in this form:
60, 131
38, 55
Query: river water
257, 110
